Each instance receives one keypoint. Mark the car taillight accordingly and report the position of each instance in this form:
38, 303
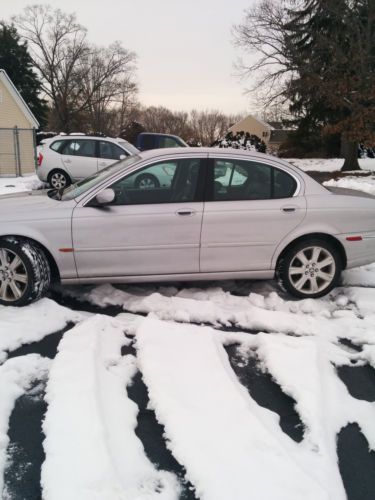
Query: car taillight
40, 159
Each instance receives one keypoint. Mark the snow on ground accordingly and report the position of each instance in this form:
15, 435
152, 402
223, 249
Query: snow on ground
360, 276
328, 164
329, 317
31, 323
92, 451
9, 185
366, 184
229, 445
16, 377
242, 450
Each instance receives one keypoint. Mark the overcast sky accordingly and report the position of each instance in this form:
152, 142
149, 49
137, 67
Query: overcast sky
185, 49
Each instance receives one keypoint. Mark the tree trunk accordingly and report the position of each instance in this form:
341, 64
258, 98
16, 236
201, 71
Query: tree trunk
349, 150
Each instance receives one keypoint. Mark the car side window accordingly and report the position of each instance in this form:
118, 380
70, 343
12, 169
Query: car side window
148, 141
56, 146
110, 151
79, 147
241, 180
168, 142
284, 185
250, 180
174, 181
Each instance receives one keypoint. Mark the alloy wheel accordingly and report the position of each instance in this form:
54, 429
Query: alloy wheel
58, 180
13, 276
312, 270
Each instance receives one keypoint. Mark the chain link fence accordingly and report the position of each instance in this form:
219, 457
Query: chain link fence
17, 151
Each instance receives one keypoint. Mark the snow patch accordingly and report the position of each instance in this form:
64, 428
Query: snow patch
16, 377
366, 184
91, 448
230, 446
22, 325
9, 185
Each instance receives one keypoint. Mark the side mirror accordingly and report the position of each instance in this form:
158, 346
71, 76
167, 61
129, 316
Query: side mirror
122, 157
103, 198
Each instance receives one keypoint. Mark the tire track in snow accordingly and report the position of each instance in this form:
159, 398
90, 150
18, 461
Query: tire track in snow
205, 410
89, 424
266, 392
17, 376
151, 433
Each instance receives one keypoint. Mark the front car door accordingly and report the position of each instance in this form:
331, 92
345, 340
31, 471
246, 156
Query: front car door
109, 153
79, 158
148, 229
251, 206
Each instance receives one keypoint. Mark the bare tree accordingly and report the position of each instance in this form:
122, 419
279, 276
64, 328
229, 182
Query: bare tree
107, 82
57, 42
208, 126
163, 120
262, 35
84, 83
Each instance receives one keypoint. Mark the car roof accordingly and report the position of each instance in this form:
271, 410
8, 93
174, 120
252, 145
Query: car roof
82, 136
154, 153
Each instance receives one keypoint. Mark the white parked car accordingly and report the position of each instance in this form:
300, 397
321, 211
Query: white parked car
219, 214
65, 159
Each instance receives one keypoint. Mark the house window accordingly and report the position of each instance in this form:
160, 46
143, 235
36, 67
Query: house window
264, 134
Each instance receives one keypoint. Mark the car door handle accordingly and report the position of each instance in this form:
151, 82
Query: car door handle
185, 212
102, 164
288, 209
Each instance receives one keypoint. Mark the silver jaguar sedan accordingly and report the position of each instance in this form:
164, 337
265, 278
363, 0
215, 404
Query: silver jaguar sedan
223, 214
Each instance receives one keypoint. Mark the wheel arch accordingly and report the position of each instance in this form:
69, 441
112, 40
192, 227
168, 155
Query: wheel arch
55, 273
324, 236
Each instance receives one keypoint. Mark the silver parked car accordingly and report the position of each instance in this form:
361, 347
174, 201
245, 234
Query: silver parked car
222, 214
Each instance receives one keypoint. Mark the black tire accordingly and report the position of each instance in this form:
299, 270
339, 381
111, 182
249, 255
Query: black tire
149, 181
58, 179
34, 270
324, 278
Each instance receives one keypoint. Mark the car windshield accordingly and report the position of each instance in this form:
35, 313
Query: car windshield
129, 147
84, 185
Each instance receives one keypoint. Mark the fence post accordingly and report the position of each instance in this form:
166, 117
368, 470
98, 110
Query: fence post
17, 151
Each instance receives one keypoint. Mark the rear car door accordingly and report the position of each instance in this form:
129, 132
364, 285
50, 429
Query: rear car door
148, 229
79, 158
251, 206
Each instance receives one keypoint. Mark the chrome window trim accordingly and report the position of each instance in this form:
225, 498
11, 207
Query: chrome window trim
300, 184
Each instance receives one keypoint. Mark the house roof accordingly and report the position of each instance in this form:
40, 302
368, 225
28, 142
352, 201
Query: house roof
267, 125
18, 98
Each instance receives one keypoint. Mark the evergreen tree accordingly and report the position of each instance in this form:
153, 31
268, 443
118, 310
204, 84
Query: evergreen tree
331, 43
16, 61
320, 56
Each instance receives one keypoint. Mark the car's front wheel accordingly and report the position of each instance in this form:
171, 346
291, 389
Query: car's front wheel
24, 272
310, 269
58, 179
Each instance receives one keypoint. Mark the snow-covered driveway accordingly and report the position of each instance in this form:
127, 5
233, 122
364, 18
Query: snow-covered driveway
225, 392
229, 391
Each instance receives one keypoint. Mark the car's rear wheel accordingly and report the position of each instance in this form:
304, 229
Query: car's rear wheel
146, 181
58, 179
25, 273
310, 269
